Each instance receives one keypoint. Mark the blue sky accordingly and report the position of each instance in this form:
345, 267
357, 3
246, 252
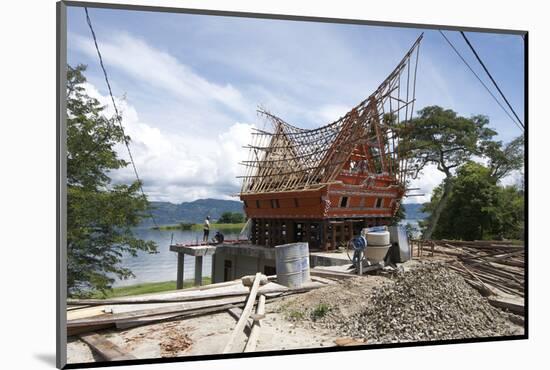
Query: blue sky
189, 85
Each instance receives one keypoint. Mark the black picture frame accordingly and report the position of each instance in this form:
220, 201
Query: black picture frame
61, 255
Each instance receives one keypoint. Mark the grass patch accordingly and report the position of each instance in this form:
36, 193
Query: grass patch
145, 288
295, 315
180, 226
320, 311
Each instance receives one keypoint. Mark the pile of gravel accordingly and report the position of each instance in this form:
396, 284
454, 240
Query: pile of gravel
427, 303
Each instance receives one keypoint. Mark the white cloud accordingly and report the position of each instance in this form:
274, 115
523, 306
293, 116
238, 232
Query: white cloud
426, 182
160, 69
514, 178
182, 167
332, 112
200, 159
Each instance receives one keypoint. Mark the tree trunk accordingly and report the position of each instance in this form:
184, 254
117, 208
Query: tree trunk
434, 218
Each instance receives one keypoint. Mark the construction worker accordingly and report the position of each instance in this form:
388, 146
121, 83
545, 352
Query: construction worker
206, 229
218, 238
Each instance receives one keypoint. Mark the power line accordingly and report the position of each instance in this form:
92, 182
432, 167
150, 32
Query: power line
117, 115
479, 79
491, 77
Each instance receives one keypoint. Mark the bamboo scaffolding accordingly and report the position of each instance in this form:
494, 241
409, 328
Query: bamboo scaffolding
290, 158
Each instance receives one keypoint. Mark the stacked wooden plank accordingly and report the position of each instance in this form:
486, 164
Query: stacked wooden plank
495, 268
105, 348
85, 316
245, 314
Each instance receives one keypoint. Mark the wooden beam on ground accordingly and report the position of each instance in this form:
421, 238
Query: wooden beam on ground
90, 328
189, 298
142, 298
322, 280
348, 341
181, 308
483, 289
131, 323
330, 274
255, 332
181, 311
77, 307
475, 276
246, 313
105, 348
513, 305
235, 312
248, 280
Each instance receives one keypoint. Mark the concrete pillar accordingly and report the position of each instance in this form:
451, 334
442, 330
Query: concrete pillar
179, 277
213, 272
198, 270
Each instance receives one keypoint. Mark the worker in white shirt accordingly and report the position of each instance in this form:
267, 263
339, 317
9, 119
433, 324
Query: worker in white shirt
206, 229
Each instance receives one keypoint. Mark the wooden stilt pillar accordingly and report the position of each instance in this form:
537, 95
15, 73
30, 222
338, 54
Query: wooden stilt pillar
253, 231
284, 229
324, 236
261, 240
272, 232
333, 245
307, 232
290, 232
179, 277
279, 232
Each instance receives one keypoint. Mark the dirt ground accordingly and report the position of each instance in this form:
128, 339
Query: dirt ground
203, 335
209, 334
296, 321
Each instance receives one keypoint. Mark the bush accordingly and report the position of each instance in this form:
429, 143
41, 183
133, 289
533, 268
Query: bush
320, 311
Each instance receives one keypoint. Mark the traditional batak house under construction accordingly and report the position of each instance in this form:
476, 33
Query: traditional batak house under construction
320, 186
323, 185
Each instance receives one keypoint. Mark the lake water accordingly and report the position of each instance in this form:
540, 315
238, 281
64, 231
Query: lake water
149, 268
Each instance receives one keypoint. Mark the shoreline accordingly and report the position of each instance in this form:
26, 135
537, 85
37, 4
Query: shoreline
198, 227
146, 288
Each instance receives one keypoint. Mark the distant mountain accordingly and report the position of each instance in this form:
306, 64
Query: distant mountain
167, 213
413, 211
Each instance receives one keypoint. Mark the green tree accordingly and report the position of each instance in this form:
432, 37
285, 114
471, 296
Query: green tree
478, 208
231, 218
472, 205
99, 215
510, 218
225, 218
443, 138
237, 218
505, 159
